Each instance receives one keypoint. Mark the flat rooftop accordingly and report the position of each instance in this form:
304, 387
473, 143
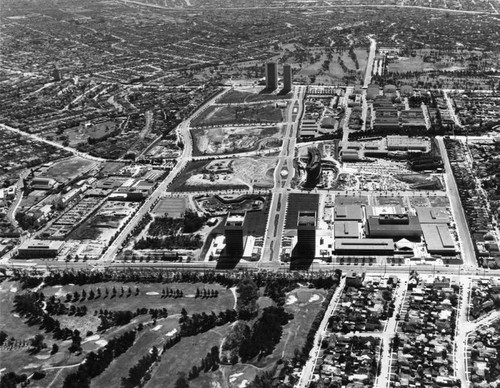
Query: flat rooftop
306, 219
346, 229
433, 215
354, 244
405, 141
372, 211
41, 244
438, 238
348, 213
235, 219
375, 227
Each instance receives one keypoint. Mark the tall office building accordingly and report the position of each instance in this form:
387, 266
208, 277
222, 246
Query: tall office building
287, 78
271, 75
306, 234
234, 234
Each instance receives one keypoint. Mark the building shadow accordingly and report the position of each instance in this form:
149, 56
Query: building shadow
301, 261
227, 262
267, 91
284, 92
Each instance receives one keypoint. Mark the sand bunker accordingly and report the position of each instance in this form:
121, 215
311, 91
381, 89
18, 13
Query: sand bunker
291, 299
152, 293
101, 342
232, 378
94, 337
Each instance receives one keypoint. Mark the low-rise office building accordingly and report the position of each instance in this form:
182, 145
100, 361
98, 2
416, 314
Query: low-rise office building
35, 249
364, 246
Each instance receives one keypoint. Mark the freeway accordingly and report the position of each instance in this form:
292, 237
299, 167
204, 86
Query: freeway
52, 143
466, 245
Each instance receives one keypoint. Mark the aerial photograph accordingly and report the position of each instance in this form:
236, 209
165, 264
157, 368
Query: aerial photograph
250, 193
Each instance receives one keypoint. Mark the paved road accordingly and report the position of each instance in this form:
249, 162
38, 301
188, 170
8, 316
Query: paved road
463, 327
52, 143
369, 64
396, 270
11, 214
389, 332
288, 7
185, 135
307, 371
450, 109
466, 245
282, 182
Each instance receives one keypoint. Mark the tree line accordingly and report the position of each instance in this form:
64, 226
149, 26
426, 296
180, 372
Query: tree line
96, 363
226, 279
200, 323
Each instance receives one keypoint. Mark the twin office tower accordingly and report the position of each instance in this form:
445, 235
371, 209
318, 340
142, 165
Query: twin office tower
272, 76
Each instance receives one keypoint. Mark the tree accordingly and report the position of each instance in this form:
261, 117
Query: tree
247, 301
76, 343
181, 382
3, 337
55, 349
37, 343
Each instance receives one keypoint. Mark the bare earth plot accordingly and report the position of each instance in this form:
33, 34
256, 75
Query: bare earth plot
226, 174
215, 141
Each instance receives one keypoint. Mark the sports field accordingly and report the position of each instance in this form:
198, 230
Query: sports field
68, 169
171, 206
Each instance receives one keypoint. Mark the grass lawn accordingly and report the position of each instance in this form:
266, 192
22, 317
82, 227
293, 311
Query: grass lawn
239, 97
381, 201
20, 361
182, 356
11, 323
345, 200
305, 306
439, 201
54, 378
174, 306
406, 65
67, 169
148, 338
420, 201
304, 303
221, 115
